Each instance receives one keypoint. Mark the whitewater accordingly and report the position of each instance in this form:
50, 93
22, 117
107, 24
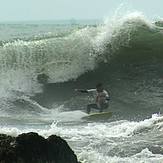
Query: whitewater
125, 53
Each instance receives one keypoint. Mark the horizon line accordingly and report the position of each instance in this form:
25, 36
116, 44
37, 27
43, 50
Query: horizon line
53, 20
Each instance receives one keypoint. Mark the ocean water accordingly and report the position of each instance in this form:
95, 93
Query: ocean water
125, 53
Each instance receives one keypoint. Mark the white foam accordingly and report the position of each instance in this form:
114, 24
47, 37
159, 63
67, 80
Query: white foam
16, 82
62, 59
95, 135
70, 116
145, 156
117, 32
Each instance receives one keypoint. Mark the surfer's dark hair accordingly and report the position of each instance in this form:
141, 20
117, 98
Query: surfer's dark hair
99, 85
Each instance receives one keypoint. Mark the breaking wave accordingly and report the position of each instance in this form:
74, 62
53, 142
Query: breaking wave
117, 51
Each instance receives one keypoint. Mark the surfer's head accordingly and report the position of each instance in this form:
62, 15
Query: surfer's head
99, 87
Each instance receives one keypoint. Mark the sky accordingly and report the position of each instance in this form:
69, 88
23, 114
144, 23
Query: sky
26, 10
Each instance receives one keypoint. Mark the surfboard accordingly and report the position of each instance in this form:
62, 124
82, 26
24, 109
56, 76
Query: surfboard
98, 116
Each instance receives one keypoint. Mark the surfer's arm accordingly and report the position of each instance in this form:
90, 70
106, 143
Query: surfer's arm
81, 90
107, 95
85, 90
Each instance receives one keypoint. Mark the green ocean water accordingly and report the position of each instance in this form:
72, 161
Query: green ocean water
124, 53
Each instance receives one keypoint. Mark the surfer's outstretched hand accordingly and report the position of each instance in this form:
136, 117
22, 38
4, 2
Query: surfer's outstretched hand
80, 90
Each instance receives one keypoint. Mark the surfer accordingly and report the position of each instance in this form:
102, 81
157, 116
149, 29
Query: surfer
101, 100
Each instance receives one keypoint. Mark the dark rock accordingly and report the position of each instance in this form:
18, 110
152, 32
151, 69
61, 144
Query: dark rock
32, 148
59, 149
7, 154
42, 78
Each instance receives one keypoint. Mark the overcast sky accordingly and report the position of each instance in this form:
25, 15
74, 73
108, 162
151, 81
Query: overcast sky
18, 10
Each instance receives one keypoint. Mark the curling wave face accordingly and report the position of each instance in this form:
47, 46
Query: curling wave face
120, 50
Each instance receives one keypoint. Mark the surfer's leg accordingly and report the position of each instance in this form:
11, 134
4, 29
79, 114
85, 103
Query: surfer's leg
94, 106
103, 106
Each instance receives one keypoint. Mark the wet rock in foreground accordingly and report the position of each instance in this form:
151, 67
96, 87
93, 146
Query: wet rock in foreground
33, 148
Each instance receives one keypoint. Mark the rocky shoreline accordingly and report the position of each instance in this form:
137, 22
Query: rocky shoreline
33, 148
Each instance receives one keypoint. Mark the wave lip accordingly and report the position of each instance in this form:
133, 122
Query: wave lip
125, 33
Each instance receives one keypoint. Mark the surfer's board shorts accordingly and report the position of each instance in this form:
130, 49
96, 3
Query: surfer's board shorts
95, 106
